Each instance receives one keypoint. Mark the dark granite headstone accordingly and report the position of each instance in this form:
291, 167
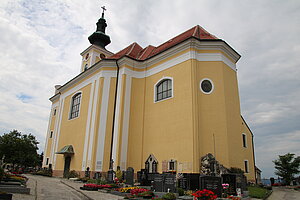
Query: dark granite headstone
212, 183
169, 183
97, 175
231, 180
110, 176
158, 184
241, 182
189, 181
129, 176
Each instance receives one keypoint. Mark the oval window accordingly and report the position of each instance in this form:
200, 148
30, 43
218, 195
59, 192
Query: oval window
206, 86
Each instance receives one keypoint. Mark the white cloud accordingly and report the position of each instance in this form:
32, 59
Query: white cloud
41, 40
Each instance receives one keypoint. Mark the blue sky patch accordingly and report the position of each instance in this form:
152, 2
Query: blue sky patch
24, 97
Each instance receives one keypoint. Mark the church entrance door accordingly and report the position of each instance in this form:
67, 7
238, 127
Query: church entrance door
67, 165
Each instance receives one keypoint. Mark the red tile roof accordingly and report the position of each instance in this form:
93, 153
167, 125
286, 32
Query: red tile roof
135, 51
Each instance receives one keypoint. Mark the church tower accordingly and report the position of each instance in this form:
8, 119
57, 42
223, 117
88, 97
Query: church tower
96, 51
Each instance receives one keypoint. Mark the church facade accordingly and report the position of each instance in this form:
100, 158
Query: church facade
161, 108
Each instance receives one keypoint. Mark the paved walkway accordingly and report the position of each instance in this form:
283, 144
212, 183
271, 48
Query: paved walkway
59, 189
284, 193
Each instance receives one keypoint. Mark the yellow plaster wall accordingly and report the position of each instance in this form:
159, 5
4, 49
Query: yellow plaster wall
211, 112
168, 132
72, 132
136, 125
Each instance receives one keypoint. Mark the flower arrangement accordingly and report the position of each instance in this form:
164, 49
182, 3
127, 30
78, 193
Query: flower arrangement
225, 189
136, 192
204, 195
127, 189
95, 186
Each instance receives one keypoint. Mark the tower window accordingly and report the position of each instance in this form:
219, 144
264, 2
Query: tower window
75, 106
51, 134
54, 112
246, 166
47, 161
163, 89
244, 140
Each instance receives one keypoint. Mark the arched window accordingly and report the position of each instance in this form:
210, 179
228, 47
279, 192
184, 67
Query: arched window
164, 89
75, 105
154, 167
85, 67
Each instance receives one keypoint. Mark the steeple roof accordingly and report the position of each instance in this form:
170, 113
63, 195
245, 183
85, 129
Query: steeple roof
99, 37
135, 51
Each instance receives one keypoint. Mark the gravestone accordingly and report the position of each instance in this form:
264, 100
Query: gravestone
110, 176
241, 182
169, 183
231, 180
182, 182
158, 184
212, 183
129, 176
87, 172
97, 175
144, 178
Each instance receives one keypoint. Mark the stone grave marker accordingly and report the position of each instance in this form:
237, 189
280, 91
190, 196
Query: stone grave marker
129, 176
110, 176
169, 183
241, 182
97, 175
212, 183
189, 181
182, 182
158, 184
231, 180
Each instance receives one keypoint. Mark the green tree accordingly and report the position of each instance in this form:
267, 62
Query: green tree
287, 166
19, 149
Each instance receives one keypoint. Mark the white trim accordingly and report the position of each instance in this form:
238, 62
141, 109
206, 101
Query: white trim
57, 133
246, 145
126, 114
155, 88
87, 129
92, 133
246, 162
47, 134
71, 104
212, 85
102, 125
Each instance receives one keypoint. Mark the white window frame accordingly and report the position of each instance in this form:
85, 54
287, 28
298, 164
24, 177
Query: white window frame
246, 145
71, 101
212, 85
155, 89
175, 165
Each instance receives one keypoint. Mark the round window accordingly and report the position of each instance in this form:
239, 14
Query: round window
206, 86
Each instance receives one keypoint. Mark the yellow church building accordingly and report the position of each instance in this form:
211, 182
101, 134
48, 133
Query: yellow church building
162, 108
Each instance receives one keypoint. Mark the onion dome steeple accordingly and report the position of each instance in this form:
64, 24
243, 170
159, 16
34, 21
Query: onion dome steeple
99, 37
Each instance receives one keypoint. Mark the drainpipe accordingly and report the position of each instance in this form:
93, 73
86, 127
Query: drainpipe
113, 124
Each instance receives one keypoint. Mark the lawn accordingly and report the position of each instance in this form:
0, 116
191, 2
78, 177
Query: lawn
258, 192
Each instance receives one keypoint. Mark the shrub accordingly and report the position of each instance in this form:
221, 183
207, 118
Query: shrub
180, 191
72, 174
169, 196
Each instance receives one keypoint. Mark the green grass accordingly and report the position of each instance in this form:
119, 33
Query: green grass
258, 192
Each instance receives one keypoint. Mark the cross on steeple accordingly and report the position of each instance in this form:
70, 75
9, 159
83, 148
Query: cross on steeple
103, 9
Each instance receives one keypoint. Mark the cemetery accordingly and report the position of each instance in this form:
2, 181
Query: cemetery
214, 182
12, 183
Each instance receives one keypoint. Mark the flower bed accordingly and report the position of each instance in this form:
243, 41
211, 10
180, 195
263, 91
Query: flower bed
204, 195
95, 187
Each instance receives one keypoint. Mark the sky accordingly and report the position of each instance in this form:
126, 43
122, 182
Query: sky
41, 42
